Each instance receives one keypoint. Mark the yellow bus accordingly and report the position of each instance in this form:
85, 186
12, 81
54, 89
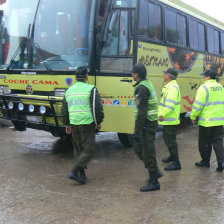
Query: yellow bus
42, 42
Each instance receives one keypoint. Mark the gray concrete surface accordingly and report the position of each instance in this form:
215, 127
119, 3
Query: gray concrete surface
5, 123
34, 187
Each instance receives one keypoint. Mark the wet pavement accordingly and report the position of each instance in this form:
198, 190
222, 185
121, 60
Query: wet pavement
34, 187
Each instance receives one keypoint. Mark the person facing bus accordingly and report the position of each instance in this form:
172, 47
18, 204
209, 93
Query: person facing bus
146, 124
82, 112
169, 117
208, 108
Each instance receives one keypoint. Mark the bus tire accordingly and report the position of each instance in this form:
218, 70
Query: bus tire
19, 125
125, 139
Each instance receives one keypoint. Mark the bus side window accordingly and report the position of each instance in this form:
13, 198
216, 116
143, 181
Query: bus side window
123, 45
117, 36
111, 42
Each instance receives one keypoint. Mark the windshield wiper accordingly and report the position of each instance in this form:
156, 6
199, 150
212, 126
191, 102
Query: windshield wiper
14, 56
44, 61
19, 48
23, 42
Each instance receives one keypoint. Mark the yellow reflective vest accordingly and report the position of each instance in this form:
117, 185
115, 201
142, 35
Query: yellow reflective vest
209, 104
170, 104
78, 100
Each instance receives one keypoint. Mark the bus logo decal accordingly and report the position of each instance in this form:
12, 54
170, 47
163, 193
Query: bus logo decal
29, 89
69, 81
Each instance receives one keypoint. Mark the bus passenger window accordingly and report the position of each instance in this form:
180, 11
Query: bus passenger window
193, 34
196, 35
201, 37
171, 26
222, 43
155, 22
181, 31
143, 19
150, 20
211, 40
216, 36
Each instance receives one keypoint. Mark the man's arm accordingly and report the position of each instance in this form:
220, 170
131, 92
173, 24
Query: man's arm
170, 101
198, 104
99, 113
141, 100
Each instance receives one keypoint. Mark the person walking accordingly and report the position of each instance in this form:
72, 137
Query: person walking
146, 124
169, 113
208, 109
82, 112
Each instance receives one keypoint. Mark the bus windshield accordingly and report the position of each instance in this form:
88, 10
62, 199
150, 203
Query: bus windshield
42, 34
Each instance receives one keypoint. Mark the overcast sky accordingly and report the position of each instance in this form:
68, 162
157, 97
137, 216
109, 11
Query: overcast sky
214, 8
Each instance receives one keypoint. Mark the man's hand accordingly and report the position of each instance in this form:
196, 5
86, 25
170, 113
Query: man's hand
161, 118
98, 127
68, 130
193, 122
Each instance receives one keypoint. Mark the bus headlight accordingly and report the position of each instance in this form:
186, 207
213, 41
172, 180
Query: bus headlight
42, 109
5, 90
10, 105
59, 92
20, 106
31, 108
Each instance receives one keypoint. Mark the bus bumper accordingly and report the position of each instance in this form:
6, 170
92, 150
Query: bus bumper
42, 113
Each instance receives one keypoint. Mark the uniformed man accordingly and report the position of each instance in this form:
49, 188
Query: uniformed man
208, 108
82, 111
146, 125
169, 117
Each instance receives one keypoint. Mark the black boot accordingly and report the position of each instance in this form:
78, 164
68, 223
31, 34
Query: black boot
220, 167
83, 173
202, 163
158, 174
74, 175
167, 159
153, 184
175, 165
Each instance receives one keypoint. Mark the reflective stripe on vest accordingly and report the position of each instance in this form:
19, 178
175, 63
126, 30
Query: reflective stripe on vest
164, 105
212, 119
198, 109
171, 119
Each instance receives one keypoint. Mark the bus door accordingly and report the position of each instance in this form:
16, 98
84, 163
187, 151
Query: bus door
114, 80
